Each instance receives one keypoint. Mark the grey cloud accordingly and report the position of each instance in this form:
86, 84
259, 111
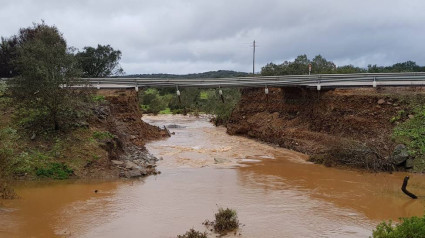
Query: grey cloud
189, 36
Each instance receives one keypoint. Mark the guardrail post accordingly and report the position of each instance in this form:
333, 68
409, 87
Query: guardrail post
266, 91
98, 85
374, 82
178, 94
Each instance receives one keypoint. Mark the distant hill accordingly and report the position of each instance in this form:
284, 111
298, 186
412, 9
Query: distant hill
210, 74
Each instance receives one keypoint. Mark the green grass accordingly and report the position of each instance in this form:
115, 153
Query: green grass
412, 133
102, 135
98, 98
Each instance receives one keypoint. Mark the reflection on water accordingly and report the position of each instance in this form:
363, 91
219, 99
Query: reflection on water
275, 191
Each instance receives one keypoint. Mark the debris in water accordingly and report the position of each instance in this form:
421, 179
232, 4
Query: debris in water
403, 188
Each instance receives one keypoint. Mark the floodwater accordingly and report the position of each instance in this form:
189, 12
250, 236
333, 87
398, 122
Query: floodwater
275, 192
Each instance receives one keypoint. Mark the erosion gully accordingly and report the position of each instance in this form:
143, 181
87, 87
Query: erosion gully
275, 192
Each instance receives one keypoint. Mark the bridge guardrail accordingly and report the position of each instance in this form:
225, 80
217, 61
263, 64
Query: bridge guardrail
326, 80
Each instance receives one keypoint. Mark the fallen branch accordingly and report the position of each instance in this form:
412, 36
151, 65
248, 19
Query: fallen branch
403, 188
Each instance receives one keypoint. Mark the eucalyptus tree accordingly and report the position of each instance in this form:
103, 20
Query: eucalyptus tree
100, 62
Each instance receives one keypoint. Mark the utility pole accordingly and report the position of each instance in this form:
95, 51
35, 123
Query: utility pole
253, 59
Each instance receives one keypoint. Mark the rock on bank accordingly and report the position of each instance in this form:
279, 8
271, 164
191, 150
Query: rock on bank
119, 118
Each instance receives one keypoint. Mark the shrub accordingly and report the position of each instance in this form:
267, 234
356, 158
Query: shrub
55, 171
193, 234
226, 220
413, 227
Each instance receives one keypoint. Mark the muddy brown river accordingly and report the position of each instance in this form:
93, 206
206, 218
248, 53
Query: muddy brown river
275, 192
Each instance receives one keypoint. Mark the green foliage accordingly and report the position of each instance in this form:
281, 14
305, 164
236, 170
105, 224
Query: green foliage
5, 100
300, 66
349, 69
3, 88
413, 227
193, 234
153, 102
408, 66
55, 171
222, 111
166, 111
98, 98
99, 62
7, 55
47, 70
9, 142
400, 115
412, 132
103, 135
27, 162
226, 220
193, 100
321, 66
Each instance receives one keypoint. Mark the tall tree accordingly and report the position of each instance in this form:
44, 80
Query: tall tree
46, 67
321, 66
9, 47
99, 62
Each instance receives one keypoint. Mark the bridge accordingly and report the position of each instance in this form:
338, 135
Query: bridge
317, 81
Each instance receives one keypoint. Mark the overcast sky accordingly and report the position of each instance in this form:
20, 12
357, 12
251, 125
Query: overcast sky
192, 36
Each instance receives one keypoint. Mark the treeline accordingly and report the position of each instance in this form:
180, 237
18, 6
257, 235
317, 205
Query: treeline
319, 65
210, 74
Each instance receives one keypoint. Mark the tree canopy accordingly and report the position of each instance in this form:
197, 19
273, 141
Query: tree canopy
99, 62
46, 66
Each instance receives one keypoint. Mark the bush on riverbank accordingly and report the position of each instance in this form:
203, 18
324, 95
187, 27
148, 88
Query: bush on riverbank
412, 133
407, 228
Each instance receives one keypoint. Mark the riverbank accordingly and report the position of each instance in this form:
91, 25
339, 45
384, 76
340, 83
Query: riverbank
342, 127
110, 143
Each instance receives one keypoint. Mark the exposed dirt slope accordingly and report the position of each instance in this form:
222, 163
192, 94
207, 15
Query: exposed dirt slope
121, 117
318, 123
